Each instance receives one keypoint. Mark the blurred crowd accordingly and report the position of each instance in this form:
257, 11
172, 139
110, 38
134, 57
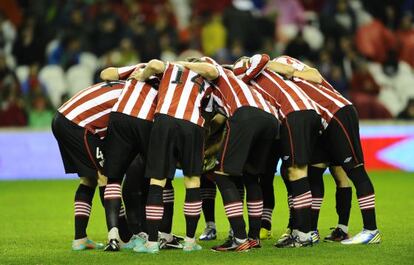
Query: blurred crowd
50, 49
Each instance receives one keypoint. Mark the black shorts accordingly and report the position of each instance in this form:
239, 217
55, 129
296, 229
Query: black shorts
298, 135
81, 151
174, 141
341, 141
251, 134
127, 137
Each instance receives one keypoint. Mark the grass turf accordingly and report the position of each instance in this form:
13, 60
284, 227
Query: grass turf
37, 228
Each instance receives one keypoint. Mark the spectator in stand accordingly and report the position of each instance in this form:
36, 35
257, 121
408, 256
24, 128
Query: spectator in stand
408, 112
338, 19
298, 48
11, 102
242, 26
128, 55
405, 37
32, 85
7, 34
29, 47
67, 53
373, 40
40, 116
107, 31
213, 35
364, 92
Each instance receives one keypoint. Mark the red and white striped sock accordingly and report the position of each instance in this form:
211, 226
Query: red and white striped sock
367, 202
234, 209
255, 208
303, 200
267, 215
112, 191
82, 209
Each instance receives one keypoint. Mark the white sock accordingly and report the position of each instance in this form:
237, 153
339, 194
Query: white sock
344, 228
189, 239
371, 231
113, 234
151, 243
302, 236
168, 237
240, 241
80, 240
211, 225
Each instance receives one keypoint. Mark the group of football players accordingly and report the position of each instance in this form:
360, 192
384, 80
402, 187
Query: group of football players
225, 126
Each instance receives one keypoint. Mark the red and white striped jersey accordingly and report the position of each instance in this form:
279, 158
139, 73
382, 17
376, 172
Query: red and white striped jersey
90, 107
328, 100
231, 93
282, 94
300, 66
180, 93
138, 99
125, 71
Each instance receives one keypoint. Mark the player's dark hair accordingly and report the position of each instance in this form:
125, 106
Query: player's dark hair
193, 59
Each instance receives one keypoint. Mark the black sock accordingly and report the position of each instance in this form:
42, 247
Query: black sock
112, 201
124, 233
315, 176
302, 202
83, 205
192, 210
366, 196
343, 204
168, 199
208, 196
154, 211
291, 221
232, 205
134, 195
254, 199
240, 186
266, 184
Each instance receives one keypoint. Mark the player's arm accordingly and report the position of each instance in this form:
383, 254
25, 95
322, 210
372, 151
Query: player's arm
110, 73
153, 67
281, 68
206, 70
216, 123
309, 74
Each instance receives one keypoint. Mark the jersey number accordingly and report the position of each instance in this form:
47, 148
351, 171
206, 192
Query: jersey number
197, 79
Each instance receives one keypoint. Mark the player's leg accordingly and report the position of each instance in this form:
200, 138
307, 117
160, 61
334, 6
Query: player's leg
83, 204
121, 148
233, 206
266, 183
254, 201
344, 132
291, 220
208, 197
315, 173
134, 194
74, 147
166, 238
343, 198
192, 211
298, 137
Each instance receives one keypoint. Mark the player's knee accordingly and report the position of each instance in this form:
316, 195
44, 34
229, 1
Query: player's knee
341, 178
357, 174
90, 182
320, 165
158, 182
297, 172
191, 182
102, 180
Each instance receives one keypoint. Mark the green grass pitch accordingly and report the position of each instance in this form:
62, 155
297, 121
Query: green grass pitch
37, 228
